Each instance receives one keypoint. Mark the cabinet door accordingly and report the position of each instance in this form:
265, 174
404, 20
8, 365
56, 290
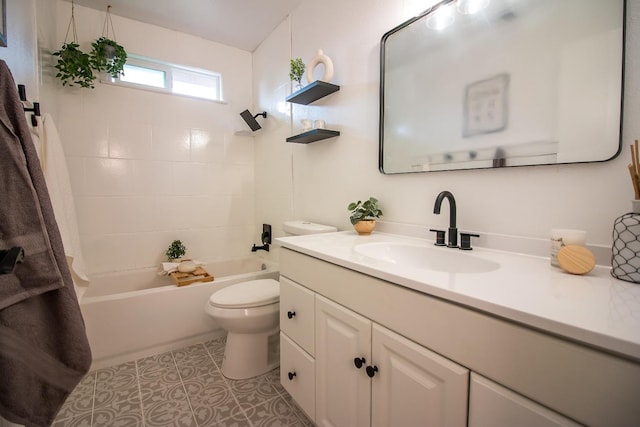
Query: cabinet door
415, 386
492, 405
297, 375
343, 392
297, 308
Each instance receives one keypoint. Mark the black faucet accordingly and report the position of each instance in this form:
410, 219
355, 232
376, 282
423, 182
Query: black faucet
453, 231
265, 237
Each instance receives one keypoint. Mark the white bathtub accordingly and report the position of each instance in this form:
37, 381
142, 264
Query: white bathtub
138, 313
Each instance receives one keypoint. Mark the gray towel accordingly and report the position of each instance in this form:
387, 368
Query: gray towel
44, 352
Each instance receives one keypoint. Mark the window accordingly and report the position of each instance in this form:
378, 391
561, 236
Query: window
160, 76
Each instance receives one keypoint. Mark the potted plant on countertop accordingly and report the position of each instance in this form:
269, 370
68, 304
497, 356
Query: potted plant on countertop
175, 251
364, 215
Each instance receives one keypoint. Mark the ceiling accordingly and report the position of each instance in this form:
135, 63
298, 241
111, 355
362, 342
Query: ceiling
239, 23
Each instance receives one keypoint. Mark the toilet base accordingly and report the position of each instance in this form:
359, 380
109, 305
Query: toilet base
250, 355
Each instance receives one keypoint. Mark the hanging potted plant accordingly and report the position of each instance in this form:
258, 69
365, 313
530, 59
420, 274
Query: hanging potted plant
74, 66
106, 54
364, 215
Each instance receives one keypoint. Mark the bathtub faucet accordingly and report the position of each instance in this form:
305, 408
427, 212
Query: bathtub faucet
265, 237
264, 247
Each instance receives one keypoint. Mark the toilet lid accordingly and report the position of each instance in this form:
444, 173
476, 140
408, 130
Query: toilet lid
247, 294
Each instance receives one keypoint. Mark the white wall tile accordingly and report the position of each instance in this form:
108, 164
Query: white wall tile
108, 177
129, 139
171, 143
152, 177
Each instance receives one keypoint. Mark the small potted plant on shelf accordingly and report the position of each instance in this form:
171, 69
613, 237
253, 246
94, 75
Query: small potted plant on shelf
74, 66
175, 251
296, 70
364, 214
108, 56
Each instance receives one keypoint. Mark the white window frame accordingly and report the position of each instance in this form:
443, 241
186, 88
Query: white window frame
168, 69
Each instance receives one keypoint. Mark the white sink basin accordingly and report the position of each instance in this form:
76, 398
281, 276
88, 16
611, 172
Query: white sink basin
426, 257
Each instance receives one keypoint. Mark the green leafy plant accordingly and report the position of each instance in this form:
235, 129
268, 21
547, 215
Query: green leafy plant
368, 209
176, 250
297, 70
107, 55
74, 66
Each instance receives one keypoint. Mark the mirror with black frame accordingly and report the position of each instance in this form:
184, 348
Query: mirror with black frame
471, 84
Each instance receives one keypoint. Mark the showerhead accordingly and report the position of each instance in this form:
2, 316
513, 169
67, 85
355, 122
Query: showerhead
251, 119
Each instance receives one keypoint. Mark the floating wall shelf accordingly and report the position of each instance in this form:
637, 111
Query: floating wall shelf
312, 92
313, 135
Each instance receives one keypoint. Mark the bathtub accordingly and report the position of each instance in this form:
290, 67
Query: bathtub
137, 313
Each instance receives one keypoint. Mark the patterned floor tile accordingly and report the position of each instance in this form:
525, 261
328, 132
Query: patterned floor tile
211, 399
274, 413
79, 421
80, 401
122, 414
154, 362
192, 356
168, 407
302, 416
273, 377
116, 384
253, 392
216, 349
183, 388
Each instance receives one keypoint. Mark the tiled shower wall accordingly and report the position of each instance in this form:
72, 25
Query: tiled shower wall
147, 168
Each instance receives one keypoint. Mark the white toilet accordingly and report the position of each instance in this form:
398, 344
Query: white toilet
249, 312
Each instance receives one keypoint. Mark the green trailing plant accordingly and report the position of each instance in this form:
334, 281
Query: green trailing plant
366, 210
176, 250
74, 66
108, 56
296, 70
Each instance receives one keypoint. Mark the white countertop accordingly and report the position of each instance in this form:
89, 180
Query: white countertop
595, 309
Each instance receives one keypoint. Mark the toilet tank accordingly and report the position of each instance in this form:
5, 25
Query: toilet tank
298, 228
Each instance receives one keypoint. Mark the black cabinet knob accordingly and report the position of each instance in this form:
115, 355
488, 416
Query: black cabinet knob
371, 370
359, 361
290, 314
291, 375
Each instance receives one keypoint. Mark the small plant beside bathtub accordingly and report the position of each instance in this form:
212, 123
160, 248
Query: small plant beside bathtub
175, 250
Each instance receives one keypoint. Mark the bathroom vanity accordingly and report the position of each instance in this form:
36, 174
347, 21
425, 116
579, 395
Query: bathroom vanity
372, 334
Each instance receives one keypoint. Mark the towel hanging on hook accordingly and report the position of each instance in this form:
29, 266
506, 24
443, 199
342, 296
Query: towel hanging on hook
22, 91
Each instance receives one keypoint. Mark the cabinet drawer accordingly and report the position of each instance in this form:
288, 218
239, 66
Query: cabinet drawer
297, 375
490, 405
297, 314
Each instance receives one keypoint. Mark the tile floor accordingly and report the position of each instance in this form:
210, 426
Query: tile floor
179, 388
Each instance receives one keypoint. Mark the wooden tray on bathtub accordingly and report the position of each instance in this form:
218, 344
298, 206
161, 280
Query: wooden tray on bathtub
198, 275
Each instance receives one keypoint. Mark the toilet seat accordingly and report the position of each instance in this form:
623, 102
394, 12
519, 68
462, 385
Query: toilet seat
254, 293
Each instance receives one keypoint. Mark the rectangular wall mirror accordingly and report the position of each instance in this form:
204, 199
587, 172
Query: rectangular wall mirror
472, 84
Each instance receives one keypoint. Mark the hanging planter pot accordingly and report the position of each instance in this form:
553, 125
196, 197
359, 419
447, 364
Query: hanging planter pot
74, 66
107, 56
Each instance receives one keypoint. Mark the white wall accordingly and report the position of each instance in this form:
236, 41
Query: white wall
327, 175
20, 53
147, 168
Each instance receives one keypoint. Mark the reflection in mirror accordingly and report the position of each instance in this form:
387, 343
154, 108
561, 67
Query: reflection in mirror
490, 83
